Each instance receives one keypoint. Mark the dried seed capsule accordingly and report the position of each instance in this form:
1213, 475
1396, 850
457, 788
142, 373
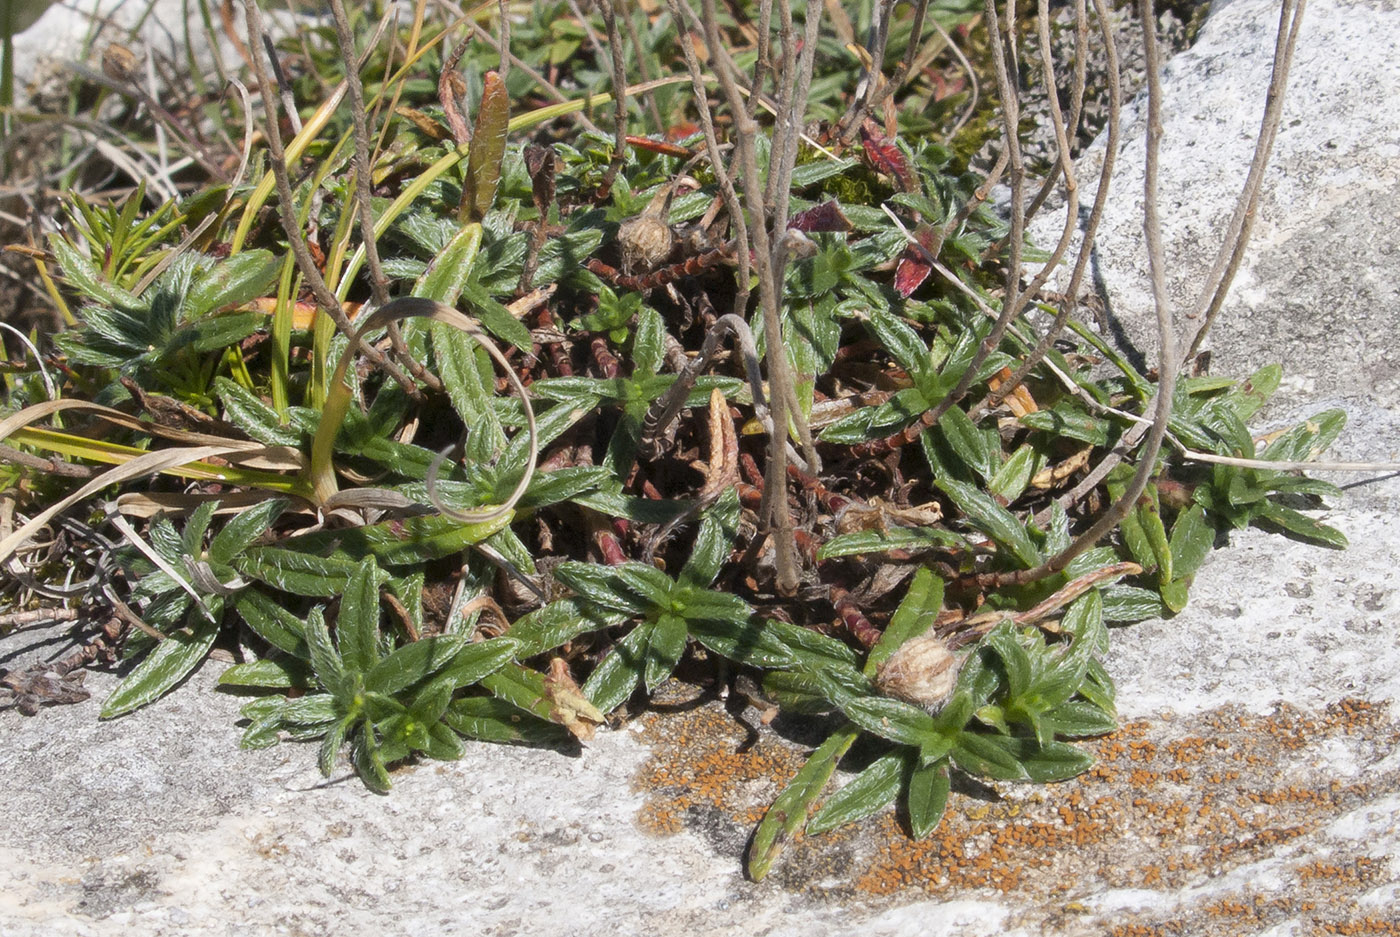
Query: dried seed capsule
119, 63
922, 671
646, 243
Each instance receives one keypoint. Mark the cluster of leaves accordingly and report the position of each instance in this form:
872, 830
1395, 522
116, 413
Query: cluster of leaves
914, 526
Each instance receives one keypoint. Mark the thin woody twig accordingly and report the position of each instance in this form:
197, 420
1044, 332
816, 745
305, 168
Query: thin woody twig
325, 298
619, 80
1167, 352
377, 280
648, 97
1222, 273
1091, 226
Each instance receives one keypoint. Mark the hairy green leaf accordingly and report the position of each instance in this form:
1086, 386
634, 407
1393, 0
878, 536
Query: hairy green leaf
788, 814
172, 660
870, 791
927, 797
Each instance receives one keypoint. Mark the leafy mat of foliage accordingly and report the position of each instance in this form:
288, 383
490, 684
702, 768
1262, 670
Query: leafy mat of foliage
518, 543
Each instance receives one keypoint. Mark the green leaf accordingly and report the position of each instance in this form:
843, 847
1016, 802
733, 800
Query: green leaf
331, 746
1191, 541
558, 622
84, 276
599, 585
745, 642
1078, 719
1130, 604
696, 604
1055, 761
891, 719
564, 255
313, 713
273, 674
863, 542
474, 662
448, 274
797, 691
456, 354
641, 510
1014, 658
1098, 687
1149, 517
1090, 561
646, 582
398, 542
252, 416
215, 332
1070, 421
1298, 484
443, 744
1010, 481
817, 170
261, 733
247, 526
927, 797
991, 756
234, 281
368, 763
788, 814
192, 539
870, 791
992, 519
649, 342
718, 528
496, 720
1303, 526
915, 615
414, 662
170, 662
665, 645
1253, 393
903, 344
811, 648
273, 623
521, 687
978, 449
562, 484
357, 626
1175, 594
496, 318
297, 572
1308, 439
325, 659
1083, 621
616, 676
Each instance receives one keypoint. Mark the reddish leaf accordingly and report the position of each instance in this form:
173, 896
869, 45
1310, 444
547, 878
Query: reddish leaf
682, 131
886, 157
488, 147
825, 217
663, 147
916, 263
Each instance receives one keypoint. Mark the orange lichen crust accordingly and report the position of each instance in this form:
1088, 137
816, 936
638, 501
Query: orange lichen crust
1172, 804
724, 773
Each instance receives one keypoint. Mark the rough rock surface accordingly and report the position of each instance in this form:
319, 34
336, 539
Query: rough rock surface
163, 34
1253, 788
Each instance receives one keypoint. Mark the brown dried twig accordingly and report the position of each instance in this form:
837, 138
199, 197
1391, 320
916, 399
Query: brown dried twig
362, 164
311, 274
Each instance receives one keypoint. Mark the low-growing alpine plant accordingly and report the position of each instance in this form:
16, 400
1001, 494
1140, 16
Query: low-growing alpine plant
448, 424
